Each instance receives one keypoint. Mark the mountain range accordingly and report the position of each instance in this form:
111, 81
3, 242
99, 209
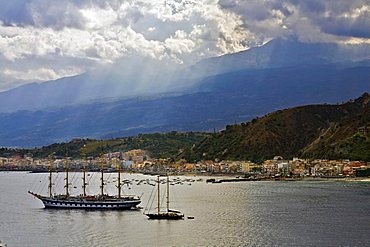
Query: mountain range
206, 96
338, 131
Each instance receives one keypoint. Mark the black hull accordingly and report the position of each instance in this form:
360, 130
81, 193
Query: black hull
165, 216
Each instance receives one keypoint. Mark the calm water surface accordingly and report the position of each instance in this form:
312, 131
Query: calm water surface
231, 214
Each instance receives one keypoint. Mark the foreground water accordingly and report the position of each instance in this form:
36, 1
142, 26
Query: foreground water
232, 214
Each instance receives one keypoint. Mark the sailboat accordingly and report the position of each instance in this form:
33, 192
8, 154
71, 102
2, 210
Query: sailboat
84, 201
169, 214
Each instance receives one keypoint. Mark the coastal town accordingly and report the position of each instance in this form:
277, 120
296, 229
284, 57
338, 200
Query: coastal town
138, 161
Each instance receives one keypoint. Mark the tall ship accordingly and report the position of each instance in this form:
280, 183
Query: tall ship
85, 201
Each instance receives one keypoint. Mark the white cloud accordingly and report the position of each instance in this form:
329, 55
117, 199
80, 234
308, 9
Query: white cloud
41, 74
355, 13
105, 32
10, 78
84, 34
97, 18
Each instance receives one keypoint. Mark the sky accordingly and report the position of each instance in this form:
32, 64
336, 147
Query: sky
44, 40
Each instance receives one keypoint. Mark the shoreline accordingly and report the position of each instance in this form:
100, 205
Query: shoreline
226, 177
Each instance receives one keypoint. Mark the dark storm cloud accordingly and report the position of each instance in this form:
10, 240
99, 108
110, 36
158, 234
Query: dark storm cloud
14, 12
292, 17
352, 27
312, 6
340, 17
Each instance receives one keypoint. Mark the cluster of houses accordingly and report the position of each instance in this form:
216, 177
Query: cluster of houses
205, 166
315, 168
26, 163
139, 161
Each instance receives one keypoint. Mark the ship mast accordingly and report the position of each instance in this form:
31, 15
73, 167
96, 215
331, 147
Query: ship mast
67, 170
158, 197
84, 171
50, 175
102, 175
119, 177
168, 194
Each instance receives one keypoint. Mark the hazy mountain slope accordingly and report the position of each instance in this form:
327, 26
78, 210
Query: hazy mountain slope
280, 53
312, 131
125, 79
225, 99
313, 84
288, 74
137, 77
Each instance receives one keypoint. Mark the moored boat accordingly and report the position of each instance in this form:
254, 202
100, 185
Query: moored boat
169, 214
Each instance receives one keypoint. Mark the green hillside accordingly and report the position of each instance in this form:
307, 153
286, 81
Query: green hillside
158, 145
314, 131
347, 138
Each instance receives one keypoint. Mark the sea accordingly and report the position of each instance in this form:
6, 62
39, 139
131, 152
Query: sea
258, 213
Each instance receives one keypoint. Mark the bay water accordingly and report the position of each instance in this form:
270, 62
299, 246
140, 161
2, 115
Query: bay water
260, 213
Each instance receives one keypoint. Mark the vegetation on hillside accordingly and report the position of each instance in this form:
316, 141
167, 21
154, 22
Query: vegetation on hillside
339, 131
347, 138
314, 131
158, 145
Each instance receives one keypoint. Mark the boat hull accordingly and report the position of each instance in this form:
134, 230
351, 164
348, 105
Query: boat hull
106, 202
99, 205
165, 216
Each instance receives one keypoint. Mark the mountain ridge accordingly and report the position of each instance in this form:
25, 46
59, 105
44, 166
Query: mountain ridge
313, 131
218, 98
337, 131
135, 77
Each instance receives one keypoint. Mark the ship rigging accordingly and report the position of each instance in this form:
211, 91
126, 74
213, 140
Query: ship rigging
85, 201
